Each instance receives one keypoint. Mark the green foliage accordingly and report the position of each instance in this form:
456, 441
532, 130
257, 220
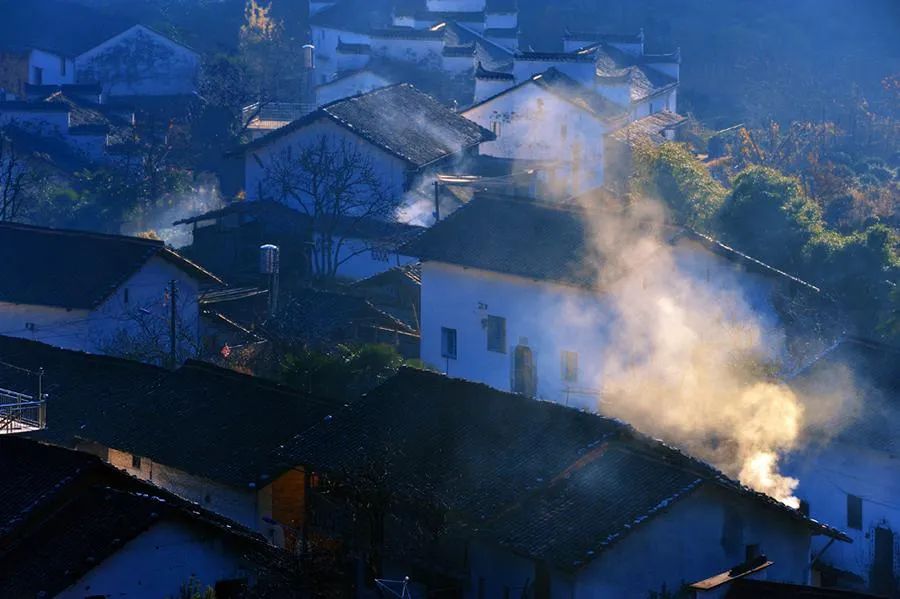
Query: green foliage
194, 589
769, 216
345, 371
670, 172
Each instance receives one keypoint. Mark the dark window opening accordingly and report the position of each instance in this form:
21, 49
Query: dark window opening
38, 75
136, 462
751, 552
854, 512
496, 334
448, 343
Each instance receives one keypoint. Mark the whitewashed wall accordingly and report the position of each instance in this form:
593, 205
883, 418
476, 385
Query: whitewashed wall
158, 562
140, 62
391, 170
361, 261
57, 70
827, 476
456, 5
326, 42
582, 72
533, 124
93, 330
422, 51
548, 318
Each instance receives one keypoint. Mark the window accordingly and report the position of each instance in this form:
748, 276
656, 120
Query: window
563, 130
854, 512
38, 75
136, 462
751, 552
62, 65
380, 254
496, 334
495, 128
570, 366
448, 343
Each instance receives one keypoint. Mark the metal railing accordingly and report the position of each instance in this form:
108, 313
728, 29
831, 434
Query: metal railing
271, 112
21, 413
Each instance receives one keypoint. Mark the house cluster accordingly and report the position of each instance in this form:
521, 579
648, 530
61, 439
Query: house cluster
74, 99
438, 197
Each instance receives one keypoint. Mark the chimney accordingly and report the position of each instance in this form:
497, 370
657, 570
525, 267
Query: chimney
269, 266
308, 79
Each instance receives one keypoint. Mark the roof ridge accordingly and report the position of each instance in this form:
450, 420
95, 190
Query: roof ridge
158, 243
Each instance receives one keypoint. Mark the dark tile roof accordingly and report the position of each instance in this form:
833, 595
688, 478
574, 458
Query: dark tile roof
513, 236
83, 511
600, 36
74, 269
483, 73
542, 479
320, 315
615, 65
544, 240
748, 588
401, 120
204, 420
358, 16
869, 370
649, 128
565, 88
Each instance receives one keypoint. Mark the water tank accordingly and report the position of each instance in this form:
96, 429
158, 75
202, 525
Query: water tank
268, 259
309, 56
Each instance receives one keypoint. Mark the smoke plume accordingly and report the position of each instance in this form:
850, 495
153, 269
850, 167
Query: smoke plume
690, 360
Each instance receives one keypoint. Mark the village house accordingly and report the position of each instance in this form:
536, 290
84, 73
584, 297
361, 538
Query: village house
490, 494
510, 297
100, 293
404, 134
133, 61
851, 473
76, 527
228, 240
134, 417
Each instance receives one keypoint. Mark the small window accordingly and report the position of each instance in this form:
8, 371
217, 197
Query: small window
38, 75
496, 334
448, 343
854, 512
495, 128
570, 366
136, 462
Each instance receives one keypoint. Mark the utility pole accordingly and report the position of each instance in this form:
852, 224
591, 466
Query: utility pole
173, 313
437, 201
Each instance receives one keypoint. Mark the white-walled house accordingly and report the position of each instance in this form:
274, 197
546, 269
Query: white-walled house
540, 500
82, 529
403, 133
509, 296
551, 117
140, 62
98, 293
850, 471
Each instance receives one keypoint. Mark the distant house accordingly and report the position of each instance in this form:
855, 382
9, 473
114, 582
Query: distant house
851, 473
500, 274
135, 416
140, 62
99, 293
228, 239
551, 117
405, 133
75, 527
494, 495
395, 291
126, 61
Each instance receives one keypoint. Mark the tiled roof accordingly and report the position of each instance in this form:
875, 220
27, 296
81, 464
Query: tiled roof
543, 240
644, 81
74, 269
545, 480
401, 120
649, 128
358, 16
81, 513
869, 370
565, 88
599, 36
204, 420
321, 315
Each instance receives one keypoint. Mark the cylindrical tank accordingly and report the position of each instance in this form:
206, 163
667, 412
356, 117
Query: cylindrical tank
268, 259
309, 56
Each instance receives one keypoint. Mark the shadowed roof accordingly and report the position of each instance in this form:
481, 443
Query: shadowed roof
75, 269
544, 480
399, 119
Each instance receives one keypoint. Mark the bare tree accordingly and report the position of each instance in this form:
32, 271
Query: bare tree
338, 187
15, 179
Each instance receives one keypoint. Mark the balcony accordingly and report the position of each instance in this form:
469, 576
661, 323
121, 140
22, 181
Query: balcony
21, 413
